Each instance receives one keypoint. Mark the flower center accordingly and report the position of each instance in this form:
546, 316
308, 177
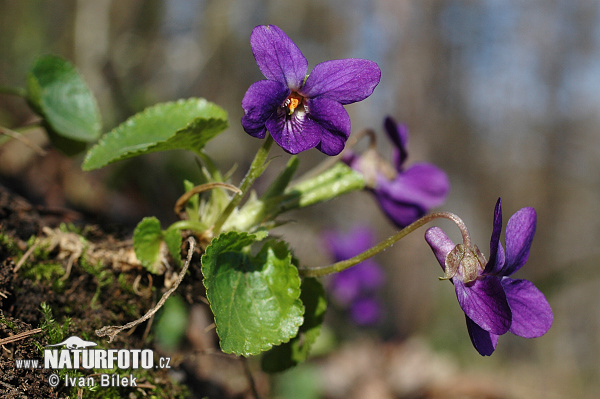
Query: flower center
292, 102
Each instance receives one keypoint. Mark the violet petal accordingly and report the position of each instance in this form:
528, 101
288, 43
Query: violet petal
345, 81
494, 265
531, 314
398, 134
278, 57
440, 244
259, 103
345, 287
400, 213
412, 193
370, 275
483, 341
366, 311
345, 246
294, 133
334, 121
484, 302
519, 235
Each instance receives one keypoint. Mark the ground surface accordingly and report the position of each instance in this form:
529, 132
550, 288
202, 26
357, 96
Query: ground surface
89, 279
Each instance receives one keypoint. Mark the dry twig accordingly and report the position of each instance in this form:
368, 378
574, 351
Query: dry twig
112, 331
20, 336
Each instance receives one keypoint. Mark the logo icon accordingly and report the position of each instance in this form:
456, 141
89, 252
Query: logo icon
74, 342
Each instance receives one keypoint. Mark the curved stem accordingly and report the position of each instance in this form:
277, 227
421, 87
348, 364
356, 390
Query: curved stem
20, 137
189, 225
256, 168
199, 189
383, 245
13, 91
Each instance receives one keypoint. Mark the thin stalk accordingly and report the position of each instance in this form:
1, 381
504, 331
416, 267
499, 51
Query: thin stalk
20, 137
13, 91
199, 189
255, 170
189, 225
383, 245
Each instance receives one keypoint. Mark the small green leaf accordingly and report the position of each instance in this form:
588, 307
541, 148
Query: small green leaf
291, 353
147, 241
58, 93
255, 299
173, 239
184, 124
193, 204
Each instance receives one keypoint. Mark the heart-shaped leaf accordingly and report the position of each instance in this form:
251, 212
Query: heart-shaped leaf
291, 353
255, 299
184, 124
173, 239
57, 92
147, 242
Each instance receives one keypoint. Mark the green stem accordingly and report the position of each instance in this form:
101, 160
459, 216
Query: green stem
256, 168
13, 91
188, 225
383, 245
337, 181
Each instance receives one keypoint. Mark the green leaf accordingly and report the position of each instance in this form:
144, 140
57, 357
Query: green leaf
58, 93
193, 204
255, 299
173, 239
291, 353
172, 323
184, 124
147, 241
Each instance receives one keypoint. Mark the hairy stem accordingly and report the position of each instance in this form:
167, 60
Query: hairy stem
383, 245
256, 168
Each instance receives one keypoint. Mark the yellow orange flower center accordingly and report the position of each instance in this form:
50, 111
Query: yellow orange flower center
292, 102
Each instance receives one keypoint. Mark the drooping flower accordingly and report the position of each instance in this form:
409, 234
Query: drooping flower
404, 194
494, 303
303, 112
355, 288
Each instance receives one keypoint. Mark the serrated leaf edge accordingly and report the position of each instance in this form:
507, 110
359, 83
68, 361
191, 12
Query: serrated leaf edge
118, 131
210, 252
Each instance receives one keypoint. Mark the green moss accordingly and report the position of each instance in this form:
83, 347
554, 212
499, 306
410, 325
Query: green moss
104, 278
8, 323
42, 271
10, 245
54, 331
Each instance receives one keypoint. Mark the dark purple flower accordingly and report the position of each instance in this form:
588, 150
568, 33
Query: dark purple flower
355, 288
494, 303
405, 195
303, 112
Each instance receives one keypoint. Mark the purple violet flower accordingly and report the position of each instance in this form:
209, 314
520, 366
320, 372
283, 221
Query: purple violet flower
303, 112
366, 311
494, 303
404, 195
355, 288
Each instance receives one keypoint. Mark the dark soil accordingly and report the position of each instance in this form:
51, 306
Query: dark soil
92, 294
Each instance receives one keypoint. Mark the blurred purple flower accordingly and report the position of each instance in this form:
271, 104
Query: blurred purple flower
405, 195
492, 302
303, 112
355, 288
366, 311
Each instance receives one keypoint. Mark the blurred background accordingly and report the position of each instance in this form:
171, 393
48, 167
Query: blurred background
503, 95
